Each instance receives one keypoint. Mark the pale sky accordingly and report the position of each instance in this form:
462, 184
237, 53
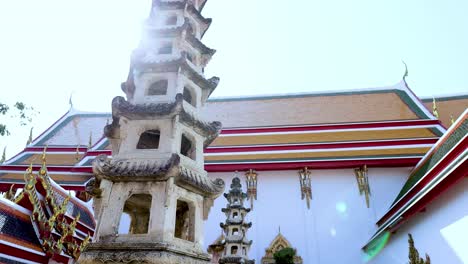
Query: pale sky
52, 48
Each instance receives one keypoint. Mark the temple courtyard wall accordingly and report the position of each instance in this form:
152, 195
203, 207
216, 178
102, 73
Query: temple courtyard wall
333, 230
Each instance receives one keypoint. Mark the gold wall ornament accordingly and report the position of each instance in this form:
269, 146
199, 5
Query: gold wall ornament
363, 182
306, 185
251, 182
435, 112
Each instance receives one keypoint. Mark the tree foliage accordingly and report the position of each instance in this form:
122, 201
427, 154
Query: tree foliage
19, 112
285, 256
413, 254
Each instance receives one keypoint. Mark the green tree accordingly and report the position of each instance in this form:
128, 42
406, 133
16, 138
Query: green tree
413, 254
285, 256
20, 112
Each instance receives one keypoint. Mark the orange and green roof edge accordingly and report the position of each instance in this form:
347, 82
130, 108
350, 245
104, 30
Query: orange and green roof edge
442, 167
381, 127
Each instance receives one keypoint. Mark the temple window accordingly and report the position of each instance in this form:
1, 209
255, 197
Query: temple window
235, 231
187, 147
234, 250
136, 211
158, 88
166, 48
235, 215
171, 20
191, 58
188, 96
184, 224
149, 140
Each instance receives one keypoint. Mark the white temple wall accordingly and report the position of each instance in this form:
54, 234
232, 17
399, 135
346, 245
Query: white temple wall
441, 231
335, 227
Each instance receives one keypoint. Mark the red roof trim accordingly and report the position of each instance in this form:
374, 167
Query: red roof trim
22, 254
322, 146
460, 148
336, 164
330, 127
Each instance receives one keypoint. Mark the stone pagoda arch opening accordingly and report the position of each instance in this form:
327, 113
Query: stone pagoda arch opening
158, 88
185, 221
171, 20
137, 209
189, 96
166, 48
235, 231
187, 147
149, 139
234, 250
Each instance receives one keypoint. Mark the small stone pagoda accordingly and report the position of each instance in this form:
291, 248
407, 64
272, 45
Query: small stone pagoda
151, 197
236, 245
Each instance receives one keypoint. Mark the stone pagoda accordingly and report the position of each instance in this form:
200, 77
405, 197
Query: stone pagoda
151, 197
236, 245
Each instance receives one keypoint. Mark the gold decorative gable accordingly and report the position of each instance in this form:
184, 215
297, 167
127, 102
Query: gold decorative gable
279, 243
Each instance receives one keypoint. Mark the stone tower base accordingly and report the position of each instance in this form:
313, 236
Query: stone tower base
147, 253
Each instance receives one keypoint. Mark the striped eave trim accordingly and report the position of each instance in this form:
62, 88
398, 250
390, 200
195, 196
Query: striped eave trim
444, 165
14, 249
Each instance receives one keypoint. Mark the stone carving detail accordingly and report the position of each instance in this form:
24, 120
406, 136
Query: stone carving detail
306, 185
363, 183
251, 180
278, 243
106, 167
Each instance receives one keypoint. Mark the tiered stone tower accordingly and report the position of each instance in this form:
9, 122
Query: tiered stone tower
236, 245
152, 196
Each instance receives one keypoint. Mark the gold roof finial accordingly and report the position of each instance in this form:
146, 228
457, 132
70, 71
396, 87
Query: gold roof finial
30, 139
77, 154
435, 112
406, 71
2, 160
90, 142
44, 153
452, 120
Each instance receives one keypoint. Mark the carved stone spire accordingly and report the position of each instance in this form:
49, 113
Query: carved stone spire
155, 192
236, 245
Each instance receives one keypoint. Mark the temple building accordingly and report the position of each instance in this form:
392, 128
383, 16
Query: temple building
337, 176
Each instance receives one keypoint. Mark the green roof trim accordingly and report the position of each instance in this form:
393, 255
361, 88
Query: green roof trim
445, 98
429, 163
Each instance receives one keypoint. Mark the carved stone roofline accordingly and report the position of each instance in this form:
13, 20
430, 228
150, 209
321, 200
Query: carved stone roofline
147, 170
188, 5
240, 207
177, 65
121, 107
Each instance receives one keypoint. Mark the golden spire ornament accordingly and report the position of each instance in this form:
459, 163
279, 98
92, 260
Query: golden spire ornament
435, 112
452, 120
